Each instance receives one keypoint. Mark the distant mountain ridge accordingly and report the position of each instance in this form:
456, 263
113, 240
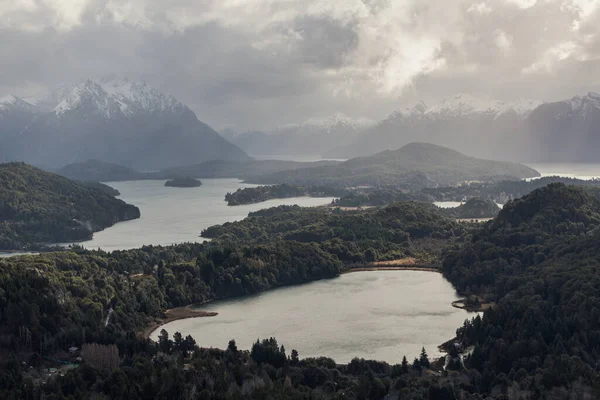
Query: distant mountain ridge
524, 130
310, 137
115, 120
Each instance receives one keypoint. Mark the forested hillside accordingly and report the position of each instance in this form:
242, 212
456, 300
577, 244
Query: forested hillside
414, 166
537, 262
38, 207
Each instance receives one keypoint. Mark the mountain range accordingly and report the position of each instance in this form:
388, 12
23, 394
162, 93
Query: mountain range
114, 120
525, 130
308, 138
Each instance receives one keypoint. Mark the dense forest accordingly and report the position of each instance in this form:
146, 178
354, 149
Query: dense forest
499, 192
38, 207
537, 261
409, 229
263, 193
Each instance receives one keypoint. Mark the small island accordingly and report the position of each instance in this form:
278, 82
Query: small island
185, 182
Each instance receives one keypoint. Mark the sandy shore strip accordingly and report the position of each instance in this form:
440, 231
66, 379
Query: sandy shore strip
403, 264
175, 314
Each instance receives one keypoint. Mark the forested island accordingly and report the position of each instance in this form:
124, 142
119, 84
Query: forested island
184, 182
473, 208
38, 207
537, 261
263, 193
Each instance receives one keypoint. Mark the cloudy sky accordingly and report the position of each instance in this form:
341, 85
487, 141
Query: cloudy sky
260, 63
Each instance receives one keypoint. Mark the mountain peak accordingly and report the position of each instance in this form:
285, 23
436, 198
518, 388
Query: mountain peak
584, 104
12, 102
112, 96
331, 121
463, 104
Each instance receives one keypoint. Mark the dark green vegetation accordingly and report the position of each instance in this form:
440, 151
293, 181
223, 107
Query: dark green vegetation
413, 166
185, 182
102, 187
475, 207
38, 207
99, 171
500, 192
283, 191
53, 301
538, 260
350, 237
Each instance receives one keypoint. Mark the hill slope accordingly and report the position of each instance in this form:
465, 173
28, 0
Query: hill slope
99, 171
415, 165
39, 207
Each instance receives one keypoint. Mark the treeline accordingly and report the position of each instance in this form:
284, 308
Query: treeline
499, 192
55, 297
176, 368
283, 191
38, 207
389, 233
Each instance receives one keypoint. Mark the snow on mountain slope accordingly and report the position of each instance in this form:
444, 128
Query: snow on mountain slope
113, 97
462, 105
465, 105
14, 103
328, 123
583, 105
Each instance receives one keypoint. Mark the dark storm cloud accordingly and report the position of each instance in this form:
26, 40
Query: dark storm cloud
260, 63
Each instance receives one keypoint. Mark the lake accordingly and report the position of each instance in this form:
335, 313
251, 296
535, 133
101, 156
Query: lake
176, 215
380, 315
585, 171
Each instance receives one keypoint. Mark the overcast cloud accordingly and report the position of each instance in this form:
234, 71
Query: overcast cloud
260, 63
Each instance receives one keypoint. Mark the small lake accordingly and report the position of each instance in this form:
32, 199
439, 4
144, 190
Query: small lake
379, 315
176, 215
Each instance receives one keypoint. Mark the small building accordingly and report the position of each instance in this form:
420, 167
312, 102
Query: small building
73, 350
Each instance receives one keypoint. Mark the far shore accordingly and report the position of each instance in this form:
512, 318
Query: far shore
174, 314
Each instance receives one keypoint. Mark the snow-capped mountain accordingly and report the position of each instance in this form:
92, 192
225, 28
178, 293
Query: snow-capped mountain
566, 131
463, 122
308, 138
328, 124
115, 98
13, 103
463, 105
120, 121
15, 114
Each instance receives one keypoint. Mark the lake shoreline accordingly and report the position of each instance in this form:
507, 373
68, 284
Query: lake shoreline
190, 311
175, 314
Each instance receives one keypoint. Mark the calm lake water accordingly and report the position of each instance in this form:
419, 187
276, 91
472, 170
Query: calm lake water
176, 215
380, 315
569, 170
